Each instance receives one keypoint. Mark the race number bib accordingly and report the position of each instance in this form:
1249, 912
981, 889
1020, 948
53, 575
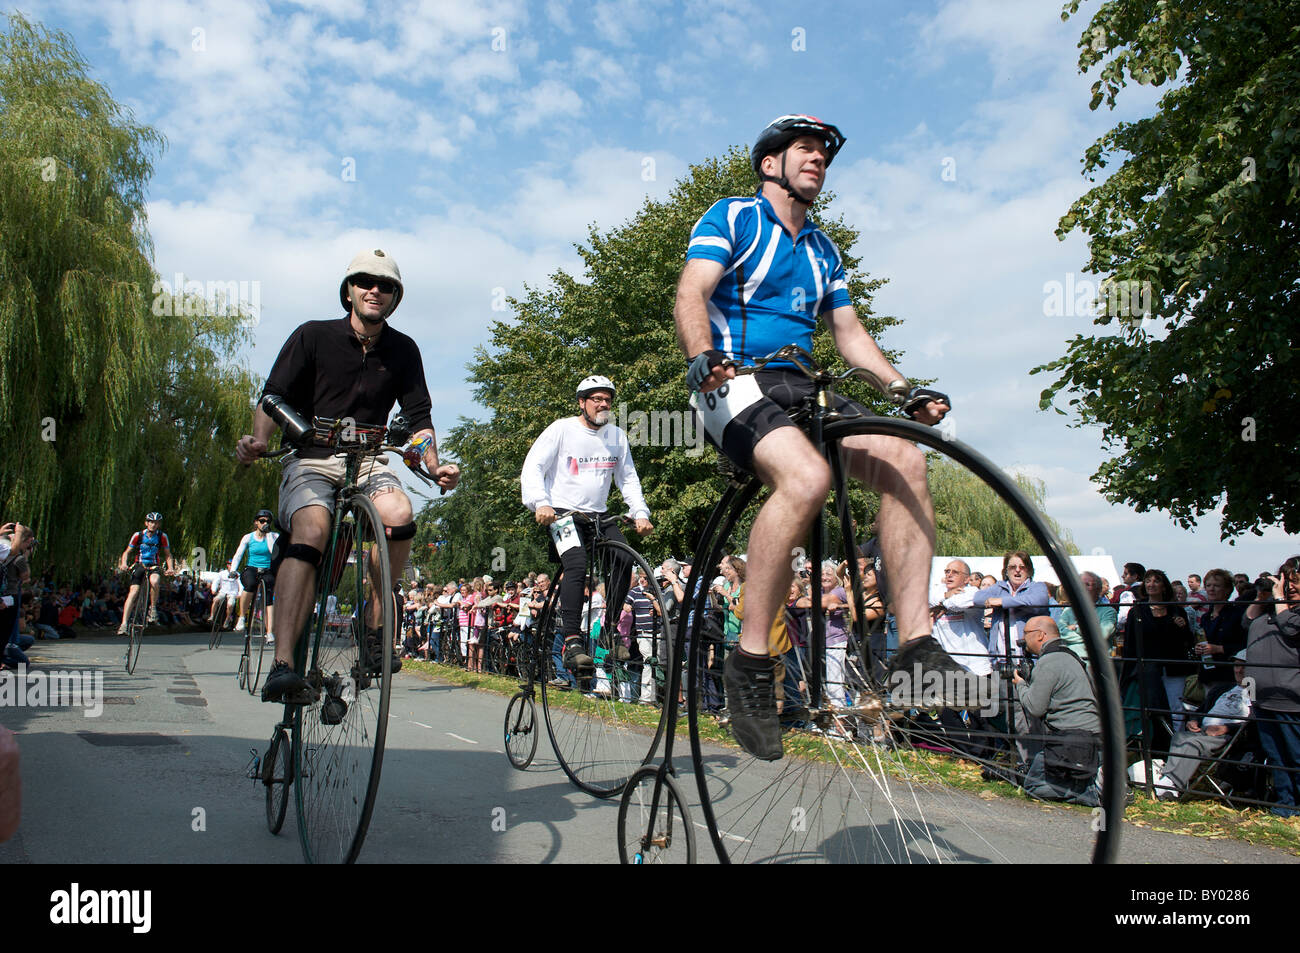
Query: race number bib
720, 407
565, 535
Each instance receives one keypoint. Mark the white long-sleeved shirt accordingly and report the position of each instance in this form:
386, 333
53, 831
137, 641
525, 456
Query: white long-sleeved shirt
570, 466
960, 629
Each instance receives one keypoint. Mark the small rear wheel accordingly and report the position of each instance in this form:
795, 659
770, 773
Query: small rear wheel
277, 775
654, 825
521, 730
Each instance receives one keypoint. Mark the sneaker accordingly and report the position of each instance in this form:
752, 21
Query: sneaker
375, 654
269, 639
239, 626
559, 683
121, 629
751, 705
905, 678
14, 655
576, 660
152, 617
285, 685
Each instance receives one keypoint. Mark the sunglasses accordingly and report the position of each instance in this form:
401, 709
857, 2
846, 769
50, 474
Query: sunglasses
262, 519
366, 282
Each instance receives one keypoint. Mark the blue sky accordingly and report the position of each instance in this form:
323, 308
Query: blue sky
476, 141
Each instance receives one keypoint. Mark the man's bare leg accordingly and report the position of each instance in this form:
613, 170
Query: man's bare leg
296, 581
787, 462
896, 469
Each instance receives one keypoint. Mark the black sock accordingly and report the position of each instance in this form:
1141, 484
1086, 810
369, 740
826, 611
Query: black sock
751, 662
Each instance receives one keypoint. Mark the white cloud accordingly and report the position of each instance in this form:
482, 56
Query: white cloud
545, 101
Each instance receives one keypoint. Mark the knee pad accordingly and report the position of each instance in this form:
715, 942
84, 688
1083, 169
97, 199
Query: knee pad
398, 533
303, 553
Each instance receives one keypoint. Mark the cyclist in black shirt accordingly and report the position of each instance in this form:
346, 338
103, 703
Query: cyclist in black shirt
353, 367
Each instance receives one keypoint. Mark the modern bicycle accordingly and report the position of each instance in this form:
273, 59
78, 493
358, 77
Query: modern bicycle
861, 779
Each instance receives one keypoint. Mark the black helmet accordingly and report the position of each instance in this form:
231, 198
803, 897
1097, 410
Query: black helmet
264, 513
785, 130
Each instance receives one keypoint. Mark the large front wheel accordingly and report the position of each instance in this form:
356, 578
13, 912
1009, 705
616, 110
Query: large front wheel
862, 778
341, 733
601, 728
256, 644
135, 626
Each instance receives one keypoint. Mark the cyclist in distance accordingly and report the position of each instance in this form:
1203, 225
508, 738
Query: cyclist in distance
258, 546
353, 367
152, 547
569, 469
225, 588
758, 275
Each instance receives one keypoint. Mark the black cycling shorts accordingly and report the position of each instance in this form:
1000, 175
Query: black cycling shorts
248, 578
783, 392
140, 571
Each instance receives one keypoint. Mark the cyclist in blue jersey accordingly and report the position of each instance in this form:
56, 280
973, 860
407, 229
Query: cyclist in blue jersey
758, 275
257, 546
153, 549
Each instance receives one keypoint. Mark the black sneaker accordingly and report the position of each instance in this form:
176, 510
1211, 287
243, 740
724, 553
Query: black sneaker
751, 704
375, 654
923, 675
576, 660
286, 686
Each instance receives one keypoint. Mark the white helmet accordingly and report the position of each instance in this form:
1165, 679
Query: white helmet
377, 263
595, 382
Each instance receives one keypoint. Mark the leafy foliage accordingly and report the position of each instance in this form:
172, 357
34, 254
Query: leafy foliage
108, 409
1205, 206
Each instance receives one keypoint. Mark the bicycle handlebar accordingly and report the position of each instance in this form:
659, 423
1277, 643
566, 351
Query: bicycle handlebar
808, 366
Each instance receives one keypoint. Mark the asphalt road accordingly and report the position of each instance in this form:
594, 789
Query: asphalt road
159, 777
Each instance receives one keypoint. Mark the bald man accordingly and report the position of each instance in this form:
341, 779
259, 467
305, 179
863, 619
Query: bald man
1061, 710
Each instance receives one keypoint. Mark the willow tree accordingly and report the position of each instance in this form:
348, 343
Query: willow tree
106, 406
617, 320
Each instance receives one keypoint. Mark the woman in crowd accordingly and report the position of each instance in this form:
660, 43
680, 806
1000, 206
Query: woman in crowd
1160, 638
1017, 599
1224, 628
834, 600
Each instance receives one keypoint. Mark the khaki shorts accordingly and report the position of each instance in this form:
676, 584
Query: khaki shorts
312, 483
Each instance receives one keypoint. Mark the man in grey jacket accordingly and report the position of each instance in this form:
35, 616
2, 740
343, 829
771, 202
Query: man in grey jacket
1061, 709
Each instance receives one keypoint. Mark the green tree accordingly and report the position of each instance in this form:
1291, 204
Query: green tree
1200, 225
615, 320
108, 408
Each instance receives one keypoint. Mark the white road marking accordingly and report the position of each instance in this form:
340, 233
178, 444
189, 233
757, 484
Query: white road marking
726, 836
468, 741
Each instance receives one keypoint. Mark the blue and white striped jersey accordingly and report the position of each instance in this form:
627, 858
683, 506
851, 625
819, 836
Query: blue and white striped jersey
773, 288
